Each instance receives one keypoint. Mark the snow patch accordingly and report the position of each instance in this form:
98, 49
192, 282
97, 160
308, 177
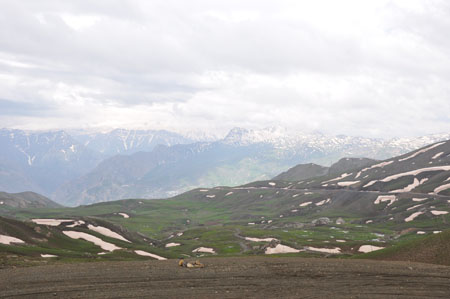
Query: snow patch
415, 172
379, 165
260, 240
145, 253
409, 187
324, 250
369, 248
76, 223
436, 213
51, 222
7, 240
305, 204
420, 232
48, 255
441, 188
229, 193
322, 202
370, 183
210, 196
172, 244
344, 175
421, 151
281, 249
124, 215
419, 199
107, 232
204, 249
413, 207
413, 216
90, 238
347, 183
383, 198
437, 155
272, 183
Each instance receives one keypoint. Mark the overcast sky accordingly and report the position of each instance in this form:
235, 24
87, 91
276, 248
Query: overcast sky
371, 68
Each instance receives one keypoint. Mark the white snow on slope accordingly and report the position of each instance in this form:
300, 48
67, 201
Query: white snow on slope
305, 204
281, 249
379, 165
437, 155
259, 240
90, 238
229, 193
107, 232
50, 222
321, 202
7, 240
347, 183
48, 255
76, 223
419, 199
344, 175
145, 253
413, 207
441, 188
436, 213
369, 248
413, 216
172, 244
416, 172
370, 183
324, 250
383, 198
124, 215
204, 249
210, 196
421, 151
409, 187
272, 183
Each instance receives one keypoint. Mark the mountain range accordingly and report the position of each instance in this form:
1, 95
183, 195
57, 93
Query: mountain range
87, 167
390, 209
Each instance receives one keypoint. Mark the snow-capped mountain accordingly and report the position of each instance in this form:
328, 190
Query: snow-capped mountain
332, 147
123, 141
161, 163
43, 159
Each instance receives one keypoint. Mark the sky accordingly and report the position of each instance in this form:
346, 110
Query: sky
363, 68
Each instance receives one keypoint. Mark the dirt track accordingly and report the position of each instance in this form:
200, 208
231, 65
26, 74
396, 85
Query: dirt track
230, 278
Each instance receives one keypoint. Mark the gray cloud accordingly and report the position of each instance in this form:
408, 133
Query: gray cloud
375, 68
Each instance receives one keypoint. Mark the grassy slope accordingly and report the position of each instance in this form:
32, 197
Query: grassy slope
433, 249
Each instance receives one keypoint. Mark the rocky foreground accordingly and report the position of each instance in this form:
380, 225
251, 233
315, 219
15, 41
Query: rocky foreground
230, 278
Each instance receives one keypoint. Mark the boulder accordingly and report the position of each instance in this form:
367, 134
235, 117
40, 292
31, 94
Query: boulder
321, 221
340, 220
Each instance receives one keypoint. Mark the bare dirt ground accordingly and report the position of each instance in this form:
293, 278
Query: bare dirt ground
248, 277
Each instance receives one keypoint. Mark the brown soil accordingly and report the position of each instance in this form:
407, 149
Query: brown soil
258, 277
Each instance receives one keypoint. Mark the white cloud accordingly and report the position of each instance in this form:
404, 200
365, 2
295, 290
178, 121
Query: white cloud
374, 68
